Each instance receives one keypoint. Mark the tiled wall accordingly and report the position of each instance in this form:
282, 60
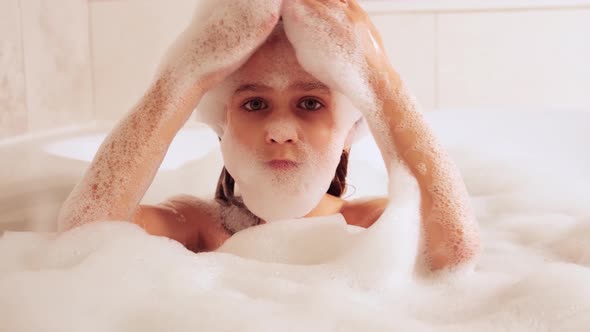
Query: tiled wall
530, 60
45, 71
128, 39
86, 60
130, 36
453, 58
13, 112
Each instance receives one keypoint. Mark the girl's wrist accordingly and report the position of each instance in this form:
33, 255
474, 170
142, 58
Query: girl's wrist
385, 82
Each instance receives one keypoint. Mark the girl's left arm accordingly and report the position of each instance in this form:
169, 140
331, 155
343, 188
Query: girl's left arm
329, 32
451, 232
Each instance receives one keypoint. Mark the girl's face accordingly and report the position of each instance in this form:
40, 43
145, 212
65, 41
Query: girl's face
284, 136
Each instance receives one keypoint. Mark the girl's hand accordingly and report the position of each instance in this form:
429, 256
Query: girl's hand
222, 35
337, 43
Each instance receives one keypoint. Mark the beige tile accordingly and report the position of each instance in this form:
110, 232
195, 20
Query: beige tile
127, 51
13, 117
57, 63
128, 39
523, 59
410, 43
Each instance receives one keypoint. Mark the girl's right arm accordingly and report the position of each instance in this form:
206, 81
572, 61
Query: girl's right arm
212, 47
127, 160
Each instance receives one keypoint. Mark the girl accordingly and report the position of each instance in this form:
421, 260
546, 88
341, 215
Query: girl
279, 68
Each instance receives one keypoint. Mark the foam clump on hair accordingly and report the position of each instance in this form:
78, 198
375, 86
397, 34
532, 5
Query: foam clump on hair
222, 34
212, 108
337, 63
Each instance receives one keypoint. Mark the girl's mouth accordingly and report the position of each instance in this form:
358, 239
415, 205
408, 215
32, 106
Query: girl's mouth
282, 164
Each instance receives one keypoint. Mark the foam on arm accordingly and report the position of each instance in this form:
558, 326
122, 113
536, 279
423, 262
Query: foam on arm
450, 230
127, 160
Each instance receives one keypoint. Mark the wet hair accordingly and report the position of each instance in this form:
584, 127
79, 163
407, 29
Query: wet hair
224, 194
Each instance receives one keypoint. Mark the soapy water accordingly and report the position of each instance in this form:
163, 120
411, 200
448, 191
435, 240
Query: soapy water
317, 274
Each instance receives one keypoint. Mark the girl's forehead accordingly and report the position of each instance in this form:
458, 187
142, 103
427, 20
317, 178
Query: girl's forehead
275, 72
274, 64
278, 80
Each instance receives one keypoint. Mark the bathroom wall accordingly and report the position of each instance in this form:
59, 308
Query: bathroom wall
92, 60
514, 59
128, 39
45, 70
503, 55
500, 55
13, 113
129, 36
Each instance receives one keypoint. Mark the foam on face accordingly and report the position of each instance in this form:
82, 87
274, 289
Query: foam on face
281, 194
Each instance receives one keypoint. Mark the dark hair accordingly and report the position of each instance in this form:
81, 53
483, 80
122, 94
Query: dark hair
225, 186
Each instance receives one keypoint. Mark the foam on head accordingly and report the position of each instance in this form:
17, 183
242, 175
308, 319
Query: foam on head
221, 34
212, 108
328, 54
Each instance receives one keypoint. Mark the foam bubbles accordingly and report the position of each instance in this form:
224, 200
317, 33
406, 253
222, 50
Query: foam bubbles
221, 36
275, 194
313, 274
338, 62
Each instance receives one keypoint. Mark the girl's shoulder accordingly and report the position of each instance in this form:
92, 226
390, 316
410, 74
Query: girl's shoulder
365, 211
203, 217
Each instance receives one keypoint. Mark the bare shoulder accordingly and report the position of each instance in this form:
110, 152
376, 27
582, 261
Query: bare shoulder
181, 218
364, 212
191, 205
203, 215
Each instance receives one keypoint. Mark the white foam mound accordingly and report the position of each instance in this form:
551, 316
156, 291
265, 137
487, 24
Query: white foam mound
316, 274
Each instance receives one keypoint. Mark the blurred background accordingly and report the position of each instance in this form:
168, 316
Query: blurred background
70, 65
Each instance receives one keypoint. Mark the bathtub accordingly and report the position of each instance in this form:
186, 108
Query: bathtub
526, 173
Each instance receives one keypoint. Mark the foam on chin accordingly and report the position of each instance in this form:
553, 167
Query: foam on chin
280, 194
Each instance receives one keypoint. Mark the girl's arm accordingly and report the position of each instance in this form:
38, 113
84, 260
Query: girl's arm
336, 42
127, 160
451, 232
218, 41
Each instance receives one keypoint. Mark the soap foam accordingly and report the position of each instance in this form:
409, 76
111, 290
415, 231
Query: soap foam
339, 62
317, 274
278, 69
281, 194
221, 35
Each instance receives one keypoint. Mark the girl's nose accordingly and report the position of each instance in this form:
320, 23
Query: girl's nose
282, 131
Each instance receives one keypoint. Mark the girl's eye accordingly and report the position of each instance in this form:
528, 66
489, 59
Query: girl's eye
254, 105
310, 104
